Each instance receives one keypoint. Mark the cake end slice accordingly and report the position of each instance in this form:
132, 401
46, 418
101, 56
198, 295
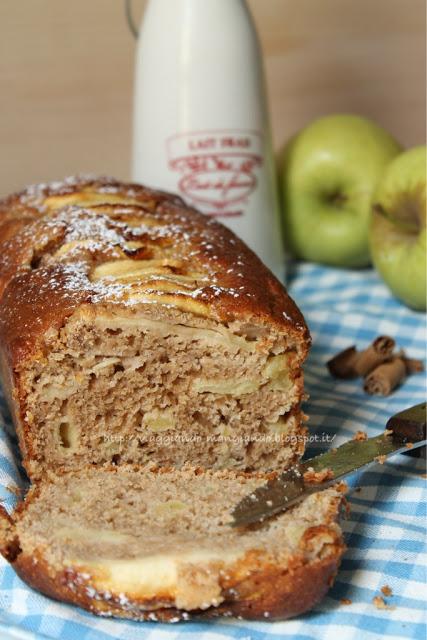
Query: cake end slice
155, 544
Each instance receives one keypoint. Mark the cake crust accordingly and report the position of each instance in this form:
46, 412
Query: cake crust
37, 298
267, 593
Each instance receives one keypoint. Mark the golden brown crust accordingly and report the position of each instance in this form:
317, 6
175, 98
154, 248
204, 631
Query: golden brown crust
41, 290
254, 588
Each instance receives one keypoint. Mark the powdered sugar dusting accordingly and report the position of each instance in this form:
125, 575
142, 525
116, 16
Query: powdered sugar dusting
203, 263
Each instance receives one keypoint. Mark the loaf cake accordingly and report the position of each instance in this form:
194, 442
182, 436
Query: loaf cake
153, 368
153, 544
135, 330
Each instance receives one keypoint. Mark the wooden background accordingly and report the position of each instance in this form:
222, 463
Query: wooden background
66, 73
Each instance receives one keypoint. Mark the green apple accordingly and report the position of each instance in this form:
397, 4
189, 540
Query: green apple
398, 227
330, 171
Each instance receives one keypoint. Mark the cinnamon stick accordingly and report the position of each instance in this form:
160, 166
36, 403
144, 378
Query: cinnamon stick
351, 363
342, 365
378, 352
386, 377
412, 365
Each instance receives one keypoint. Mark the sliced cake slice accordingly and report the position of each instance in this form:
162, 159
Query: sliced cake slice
153, 544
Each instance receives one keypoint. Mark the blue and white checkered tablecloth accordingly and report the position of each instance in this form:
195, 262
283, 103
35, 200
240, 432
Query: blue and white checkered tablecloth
385, 532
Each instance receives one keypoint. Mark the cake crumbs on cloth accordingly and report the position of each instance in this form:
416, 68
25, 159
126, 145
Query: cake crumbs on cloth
360, 435
381, 604
386, 590
346, 601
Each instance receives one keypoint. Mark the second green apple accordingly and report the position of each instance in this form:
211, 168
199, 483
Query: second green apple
398, 227
330, 171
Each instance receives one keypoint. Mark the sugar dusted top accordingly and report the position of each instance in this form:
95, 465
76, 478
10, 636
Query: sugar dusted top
97, 240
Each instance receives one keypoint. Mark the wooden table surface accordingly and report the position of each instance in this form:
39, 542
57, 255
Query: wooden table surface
67, 72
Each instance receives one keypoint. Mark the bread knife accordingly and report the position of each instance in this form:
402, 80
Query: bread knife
404, 431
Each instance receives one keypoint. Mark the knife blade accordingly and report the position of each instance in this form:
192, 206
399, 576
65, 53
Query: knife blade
405, 430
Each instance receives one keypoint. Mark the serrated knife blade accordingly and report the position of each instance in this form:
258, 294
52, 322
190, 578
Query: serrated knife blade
403, 430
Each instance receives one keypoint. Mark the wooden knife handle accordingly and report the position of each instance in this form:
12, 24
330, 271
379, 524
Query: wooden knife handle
410, 424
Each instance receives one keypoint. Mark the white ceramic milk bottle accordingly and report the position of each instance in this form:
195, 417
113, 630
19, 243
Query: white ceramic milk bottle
201, 125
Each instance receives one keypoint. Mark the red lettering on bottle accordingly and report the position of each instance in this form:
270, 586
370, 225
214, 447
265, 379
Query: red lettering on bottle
216, 170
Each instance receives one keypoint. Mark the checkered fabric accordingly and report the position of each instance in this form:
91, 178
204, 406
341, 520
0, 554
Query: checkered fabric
385, 529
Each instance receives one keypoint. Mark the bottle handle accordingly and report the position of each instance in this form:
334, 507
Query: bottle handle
129, 19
